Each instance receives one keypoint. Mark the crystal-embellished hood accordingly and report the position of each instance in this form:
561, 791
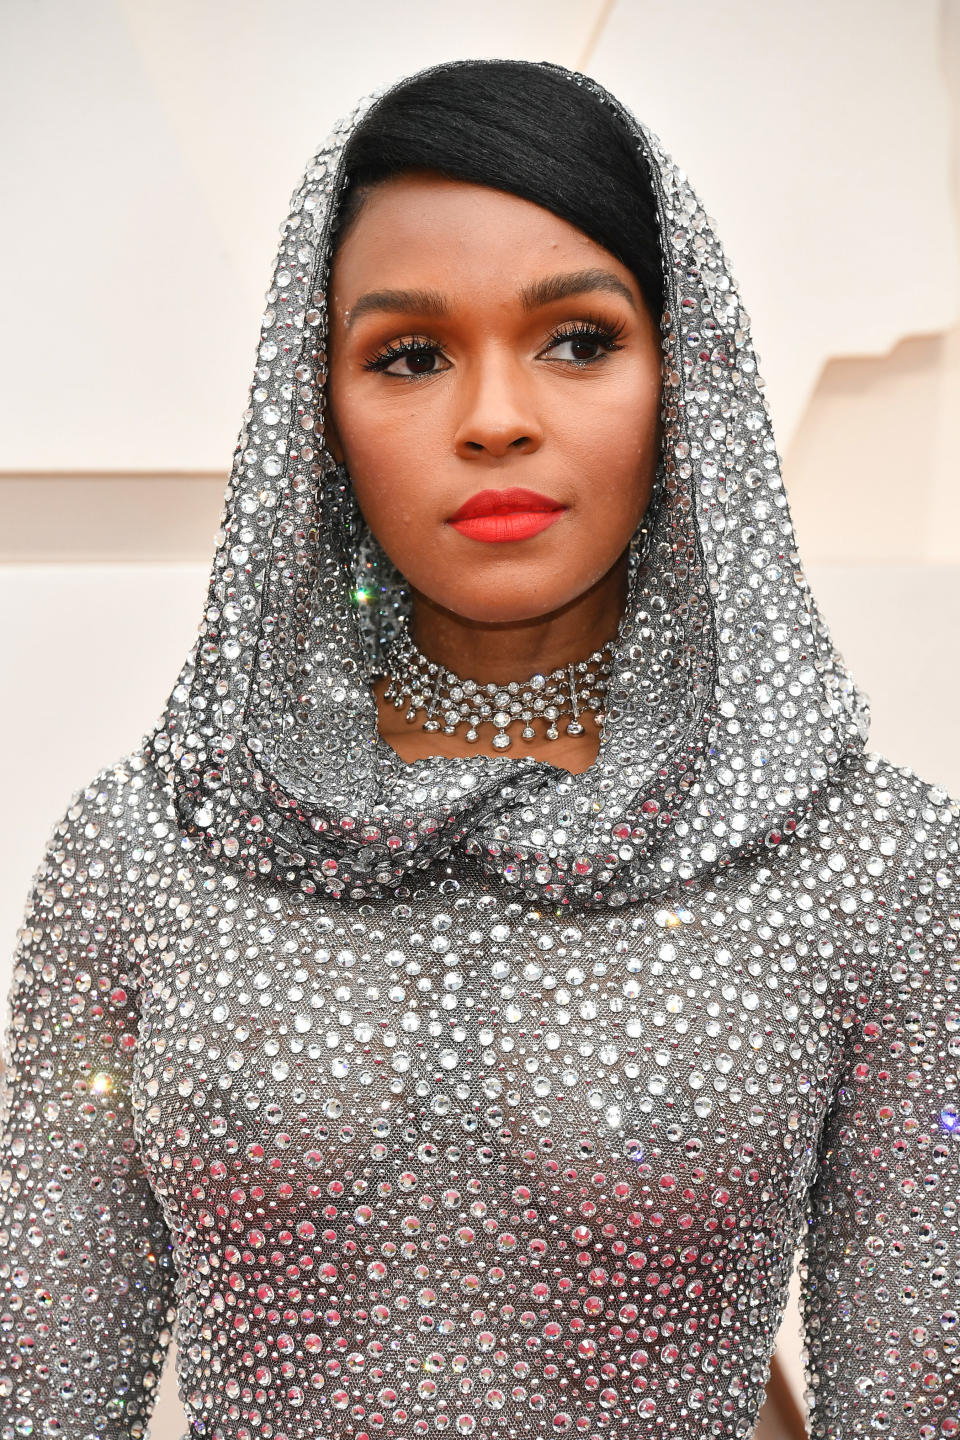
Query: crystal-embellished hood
729, 712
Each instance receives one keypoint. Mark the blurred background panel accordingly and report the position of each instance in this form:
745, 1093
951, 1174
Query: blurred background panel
149, 150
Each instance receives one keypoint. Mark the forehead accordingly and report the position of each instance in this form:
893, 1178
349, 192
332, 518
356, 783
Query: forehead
423, 229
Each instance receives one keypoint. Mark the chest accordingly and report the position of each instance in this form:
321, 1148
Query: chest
457, 1070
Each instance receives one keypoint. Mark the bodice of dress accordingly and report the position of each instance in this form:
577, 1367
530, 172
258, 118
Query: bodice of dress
455, 1165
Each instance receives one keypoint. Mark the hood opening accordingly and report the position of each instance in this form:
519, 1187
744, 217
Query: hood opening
729, 709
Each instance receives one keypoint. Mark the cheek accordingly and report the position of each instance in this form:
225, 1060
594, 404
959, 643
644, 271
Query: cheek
387, 459
394, 511
615, 446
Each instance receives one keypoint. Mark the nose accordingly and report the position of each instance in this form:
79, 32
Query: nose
496, 411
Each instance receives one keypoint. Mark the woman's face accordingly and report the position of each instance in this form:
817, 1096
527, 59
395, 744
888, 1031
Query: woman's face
479, 343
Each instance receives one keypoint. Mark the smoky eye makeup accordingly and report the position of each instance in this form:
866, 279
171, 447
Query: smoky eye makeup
593, 330
413, 345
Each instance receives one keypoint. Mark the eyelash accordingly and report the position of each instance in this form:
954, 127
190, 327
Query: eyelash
594, 328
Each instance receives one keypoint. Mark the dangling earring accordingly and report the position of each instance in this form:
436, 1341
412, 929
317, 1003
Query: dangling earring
380, 594
334, 469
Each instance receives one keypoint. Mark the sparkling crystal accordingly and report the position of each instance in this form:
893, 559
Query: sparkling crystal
433, 1101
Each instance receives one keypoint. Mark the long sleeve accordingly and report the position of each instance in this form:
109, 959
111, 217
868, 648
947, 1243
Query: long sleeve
86, 1271
880, 1267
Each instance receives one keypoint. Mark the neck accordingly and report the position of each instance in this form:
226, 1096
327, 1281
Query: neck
516, 649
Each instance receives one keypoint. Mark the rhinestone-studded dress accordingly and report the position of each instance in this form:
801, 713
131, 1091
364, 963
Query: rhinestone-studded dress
472, 1098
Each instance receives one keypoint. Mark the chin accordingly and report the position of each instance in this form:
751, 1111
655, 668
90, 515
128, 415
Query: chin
491, 604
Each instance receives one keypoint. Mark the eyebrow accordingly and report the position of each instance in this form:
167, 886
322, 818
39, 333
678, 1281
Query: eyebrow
532, 296
577, 282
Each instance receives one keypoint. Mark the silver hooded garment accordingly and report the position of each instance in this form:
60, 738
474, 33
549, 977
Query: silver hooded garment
469, 1097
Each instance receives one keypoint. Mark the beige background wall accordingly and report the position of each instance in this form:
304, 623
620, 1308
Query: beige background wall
150, 147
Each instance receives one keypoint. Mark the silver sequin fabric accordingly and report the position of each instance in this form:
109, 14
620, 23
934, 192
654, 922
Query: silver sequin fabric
472, 1098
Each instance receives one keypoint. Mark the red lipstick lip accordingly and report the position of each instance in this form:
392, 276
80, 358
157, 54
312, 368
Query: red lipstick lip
505, 502
514, 525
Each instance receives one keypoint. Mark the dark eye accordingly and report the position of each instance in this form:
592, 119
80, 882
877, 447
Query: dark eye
585, 340
418, 357
580, 346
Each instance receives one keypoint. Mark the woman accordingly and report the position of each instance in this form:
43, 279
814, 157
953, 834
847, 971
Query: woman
503, 952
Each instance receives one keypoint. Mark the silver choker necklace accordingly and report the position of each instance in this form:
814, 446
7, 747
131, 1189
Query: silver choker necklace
450, 701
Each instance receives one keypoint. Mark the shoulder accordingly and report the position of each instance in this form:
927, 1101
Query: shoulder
922, 823
900, 877
887, 830
111, 813
911, 811
877, 776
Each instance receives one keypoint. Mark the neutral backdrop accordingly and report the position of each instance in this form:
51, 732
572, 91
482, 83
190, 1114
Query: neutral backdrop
149, 150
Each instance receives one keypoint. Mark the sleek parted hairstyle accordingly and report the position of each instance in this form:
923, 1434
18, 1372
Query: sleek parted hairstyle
519, 127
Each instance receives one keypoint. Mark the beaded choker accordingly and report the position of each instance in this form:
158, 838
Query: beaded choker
450, 701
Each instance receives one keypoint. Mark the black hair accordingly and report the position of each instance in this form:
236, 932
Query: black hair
525, 128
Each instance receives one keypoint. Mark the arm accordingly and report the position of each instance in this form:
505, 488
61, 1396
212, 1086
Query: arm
86, 1273
880, 1267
